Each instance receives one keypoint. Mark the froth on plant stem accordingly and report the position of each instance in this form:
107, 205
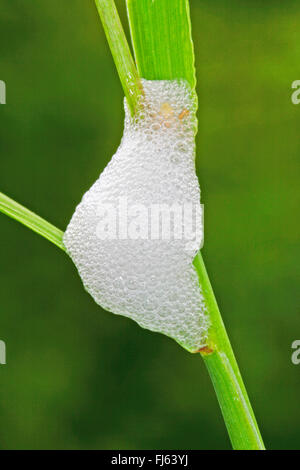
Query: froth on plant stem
126, 269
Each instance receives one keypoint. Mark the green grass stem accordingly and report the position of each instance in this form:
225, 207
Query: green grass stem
31, 220
118, 44
162, 41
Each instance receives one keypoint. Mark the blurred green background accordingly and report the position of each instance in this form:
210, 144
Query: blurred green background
76, 376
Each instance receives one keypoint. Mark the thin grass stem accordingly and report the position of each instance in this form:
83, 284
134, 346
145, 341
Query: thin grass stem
31, 220
162, 41
223, 369
120, 50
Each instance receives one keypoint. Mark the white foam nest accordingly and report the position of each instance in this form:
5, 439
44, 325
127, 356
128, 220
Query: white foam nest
133, 252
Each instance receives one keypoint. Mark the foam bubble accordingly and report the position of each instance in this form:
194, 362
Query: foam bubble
130, 267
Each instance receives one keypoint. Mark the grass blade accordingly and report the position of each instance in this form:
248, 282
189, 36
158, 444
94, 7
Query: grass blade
31, 220
158, 28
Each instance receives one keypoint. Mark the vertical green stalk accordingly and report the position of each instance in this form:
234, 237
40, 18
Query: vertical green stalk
162, 41
223, 369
